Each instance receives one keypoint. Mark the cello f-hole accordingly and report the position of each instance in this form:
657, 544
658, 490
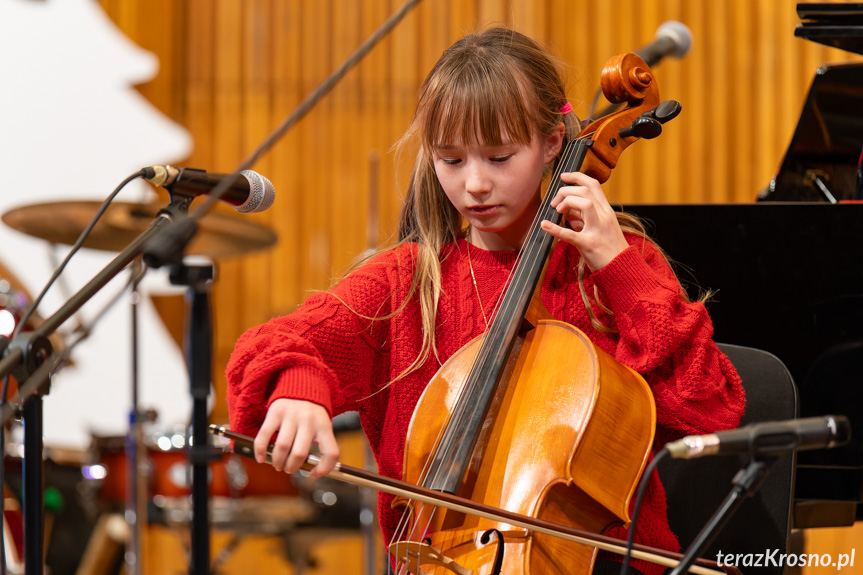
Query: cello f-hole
498, 558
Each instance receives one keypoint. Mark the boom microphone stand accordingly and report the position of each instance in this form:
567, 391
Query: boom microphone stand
30, 357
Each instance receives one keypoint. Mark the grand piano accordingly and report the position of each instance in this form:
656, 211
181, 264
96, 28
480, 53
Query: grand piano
789, 267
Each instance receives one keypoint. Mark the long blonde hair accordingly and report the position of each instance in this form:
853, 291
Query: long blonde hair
489, 84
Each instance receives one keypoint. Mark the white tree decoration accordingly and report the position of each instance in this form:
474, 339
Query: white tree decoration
72, 127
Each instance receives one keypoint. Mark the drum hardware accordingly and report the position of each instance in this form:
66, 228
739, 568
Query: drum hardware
92, 472
125, 228
249, 487
238, 478
30, 356
12, 302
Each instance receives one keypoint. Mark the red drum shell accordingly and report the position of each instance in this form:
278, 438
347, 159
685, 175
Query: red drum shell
169, 472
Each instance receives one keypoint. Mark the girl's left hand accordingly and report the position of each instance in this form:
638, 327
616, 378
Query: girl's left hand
595, 231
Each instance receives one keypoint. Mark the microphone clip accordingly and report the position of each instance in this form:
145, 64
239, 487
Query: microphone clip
167, 247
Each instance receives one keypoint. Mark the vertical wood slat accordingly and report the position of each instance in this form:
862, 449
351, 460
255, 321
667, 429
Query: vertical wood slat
652, 154
287, 47
347, 189
227, 123
257, 101
743, 32
374, 114
403, 83
231, 71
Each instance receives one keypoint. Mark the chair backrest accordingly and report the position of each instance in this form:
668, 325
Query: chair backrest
695, 488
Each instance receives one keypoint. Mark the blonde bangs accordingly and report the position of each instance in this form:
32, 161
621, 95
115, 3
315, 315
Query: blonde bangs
481, 102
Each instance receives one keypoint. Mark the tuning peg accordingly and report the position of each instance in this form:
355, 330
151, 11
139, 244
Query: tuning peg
668, 110
642, 127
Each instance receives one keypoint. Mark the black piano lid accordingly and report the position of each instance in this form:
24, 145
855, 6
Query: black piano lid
827, 141
832, 24
830, 11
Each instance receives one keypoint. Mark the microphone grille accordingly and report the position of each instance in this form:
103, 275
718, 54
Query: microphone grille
677, 32
262, 194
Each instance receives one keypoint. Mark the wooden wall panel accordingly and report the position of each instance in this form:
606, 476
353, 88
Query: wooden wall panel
233, 71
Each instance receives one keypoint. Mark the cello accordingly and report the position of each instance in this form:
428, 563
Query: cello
527, 416
506, 401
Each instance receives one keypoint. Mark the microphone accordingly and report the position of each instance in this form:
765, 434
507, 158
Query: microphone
249, 191
672, 39
770, 438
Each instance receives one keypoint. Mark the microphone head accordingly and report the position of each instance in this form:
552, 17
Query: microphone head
840, 430
262, 194
679, 34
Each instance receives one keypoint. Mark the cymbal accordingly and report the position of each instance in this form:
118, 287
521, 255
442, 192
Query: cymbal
219, 235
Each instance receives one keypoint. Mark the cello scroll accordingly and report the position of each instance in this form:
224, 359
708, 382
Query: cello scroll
625, 78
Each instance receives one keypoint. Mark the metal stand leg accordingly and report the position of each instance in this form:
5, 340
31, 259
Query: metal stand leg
34, 488
136, 495
199, 354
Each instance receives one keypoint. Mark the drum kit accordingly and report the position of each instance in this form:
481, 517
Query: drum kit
244, 498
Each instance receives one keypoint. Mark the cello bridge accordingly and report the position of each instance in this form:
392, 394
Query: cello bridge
413, 554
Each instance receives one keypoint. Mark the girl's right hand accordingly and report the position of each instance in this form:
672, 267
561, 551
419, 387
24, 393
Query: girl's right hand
298, 424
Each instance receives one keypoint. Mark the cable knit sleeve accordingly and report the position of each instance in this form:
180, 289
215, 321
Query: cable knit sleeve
328, 351
669, 341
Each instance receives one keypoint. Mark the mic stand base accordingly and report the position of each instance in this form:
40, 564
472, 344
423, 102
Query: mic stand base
746, 483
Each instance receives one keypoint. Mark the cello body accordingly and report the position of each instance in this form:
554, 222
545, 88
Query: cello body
568, 433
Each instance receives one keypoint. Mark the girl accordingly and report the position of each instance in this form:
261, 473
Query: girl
492, 117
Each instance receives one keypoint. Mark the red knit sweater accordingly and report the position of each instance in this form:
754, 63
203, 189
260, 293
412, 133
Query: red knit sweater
330, 355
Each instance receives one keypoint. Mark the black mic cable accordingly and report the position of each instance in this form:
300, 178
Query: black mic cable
639, 499
75, 247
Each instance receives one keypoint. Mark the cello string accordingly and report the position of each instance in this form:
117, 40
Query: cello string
534, 237
566, 155
404, 520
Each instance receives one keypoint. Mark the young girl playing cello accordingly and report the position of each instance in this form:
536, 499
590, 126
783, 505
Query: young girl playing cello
492, 117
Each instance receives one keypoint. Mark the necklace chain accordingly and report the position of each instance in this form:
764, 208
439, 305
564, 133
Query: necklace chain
475, 287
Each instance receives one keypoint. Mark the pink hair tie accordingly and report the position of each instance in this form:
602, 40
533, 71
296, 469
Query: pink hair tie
566, 108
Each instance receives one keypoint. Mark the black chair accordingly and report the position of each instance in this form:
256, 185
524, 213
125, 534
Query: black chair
695, 488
